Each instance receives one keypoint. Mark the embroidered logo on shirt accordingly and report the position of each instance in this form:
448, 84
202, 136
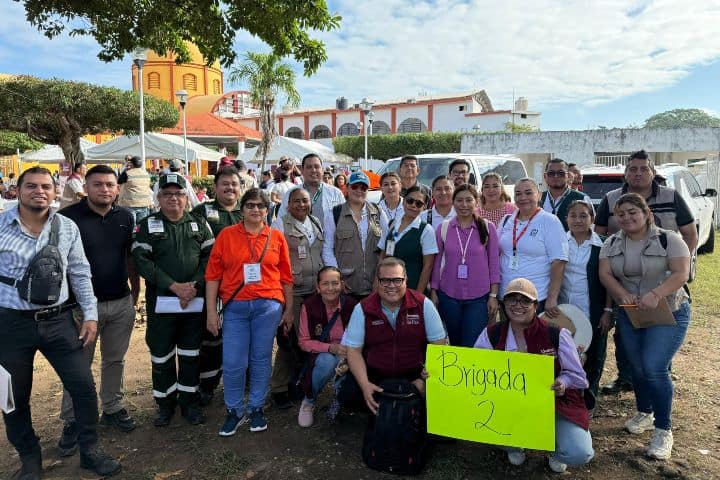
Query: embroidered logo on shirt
318, 330
533, 232
412, 320
377, 322
548, 351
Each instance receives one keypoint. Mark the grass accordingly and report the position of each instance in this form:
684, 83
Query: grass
225, 464
704, 290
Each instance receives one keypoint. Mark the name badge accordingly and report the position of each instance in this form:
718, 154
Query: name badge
514, 263
462, 271
412, 320
251, 272
302, 251
212, 213
155, 225
194, 227
390, 248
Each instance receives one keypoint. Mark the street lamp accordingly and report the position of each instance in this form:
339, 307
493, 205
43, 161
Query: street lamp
182, 98
366, 107
139, 56
370, 119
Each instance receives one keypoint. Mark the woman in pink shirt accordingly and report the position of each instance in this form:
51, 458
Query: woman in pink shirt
495, 203
323, 318
466, 274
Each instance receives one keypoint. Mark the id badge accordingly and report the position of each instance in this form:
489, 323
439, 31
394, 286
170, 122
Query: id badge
390, 248
514, 263
212, 213
252, 272
462, 271
194, 227
155, 226
302, 252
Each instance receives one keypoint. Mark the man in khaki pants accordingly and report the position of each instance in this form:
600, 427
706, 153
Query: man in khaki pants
106, 231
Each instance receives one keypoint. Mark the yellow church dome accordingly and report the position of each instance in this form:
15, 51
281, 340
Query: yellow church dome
162, 77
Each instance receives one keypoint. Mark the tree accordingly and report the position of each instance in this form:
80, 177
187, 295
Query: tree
513, 127
682, 118
268, 77
163, 26
60, 112
383, 147
11, 142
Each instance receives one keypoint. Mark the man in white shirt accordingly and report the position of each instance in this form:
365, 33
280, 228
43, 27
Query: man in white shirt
323, 196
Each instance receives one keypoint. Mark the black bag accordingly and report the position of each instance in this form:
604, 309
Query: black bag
396, 439
43, 278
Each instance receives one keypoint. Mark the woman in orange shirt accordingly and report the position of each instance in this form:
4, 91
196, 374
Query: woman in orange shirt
249, 267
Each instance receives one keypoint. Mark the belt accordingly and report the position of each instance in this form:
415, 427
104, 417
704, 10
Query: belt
41, 314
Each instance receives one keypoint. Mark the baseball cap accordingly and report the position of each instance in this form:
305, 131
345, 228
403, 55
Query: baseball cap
359, 177
176, 165
522, 286
172, 179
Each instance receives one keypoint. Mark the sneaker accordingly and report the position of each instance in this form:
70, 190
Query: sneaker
100, 462
120, 419
257, 420
333, 410
516, 457
231, 424
641, 422
193, 415
556, 465
163, 416
661, 444
617, 386
305, 415
68, 442
282, 400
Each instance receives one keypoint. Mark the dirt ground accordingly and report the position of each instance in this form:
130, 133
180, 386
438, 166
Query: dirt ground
287, 451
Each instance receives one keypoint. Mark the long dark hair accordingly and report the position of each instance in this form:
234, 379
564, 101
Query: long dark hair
479, 221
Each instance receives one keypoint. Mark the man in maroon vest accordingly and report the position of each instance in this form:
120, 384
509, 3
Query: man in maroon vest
388, 334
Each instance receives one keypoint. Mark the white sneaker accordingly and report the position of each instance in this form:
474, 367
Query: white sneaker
641, 422
305, 415
516, 457
661, 444
556, 465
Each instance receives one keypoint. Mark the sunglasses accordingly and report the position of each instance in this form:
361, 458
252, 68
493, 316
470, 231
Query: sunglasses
521, 300
556, 173
414, 202
359, 186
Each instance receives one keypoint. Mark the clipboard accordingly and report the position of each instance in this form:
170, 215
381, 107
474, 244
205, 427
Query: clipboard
172, 305
661, 315
7, 401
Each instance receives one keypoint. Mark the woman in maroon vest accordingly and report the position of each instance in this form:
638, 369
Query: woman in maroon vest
530, 334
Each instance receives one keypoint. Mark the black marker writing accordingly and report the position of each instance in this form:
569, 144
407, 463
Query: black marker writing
490, 412
478, 379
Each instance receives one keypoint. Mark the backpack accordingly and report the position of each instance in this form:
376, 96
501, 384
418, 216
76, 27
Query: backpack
43, 278
396, 438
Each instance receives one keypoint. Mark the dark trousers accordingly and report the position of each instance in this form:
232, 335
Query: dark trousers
166, 335
211, 356
595, 360
57, 339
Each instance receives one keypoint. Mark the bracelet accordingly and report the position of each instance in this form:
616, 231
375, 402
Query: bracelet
492, 295
608, 309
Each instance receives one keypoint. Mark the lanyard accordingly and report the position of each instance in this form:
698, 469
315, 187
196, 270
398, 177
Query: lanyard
516, 239
463, 250
554, 205
251, 247
317, 194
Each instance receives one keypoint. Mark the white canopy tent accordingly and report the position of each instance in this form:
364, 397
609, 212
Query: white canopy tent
53, 153
294, 148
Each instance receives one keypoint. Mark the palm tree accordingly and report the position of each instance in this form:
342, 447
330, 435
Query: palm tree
267, 76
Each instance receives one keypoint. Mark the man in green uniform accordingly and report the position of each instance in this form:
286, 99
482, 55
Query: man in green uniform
223, 212
171, 250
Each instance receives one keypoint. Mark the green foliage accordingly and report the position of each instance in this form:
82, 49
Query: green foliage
207, 182
384, 147
682, 118
60, 112
164, 26
519, 128
11, 142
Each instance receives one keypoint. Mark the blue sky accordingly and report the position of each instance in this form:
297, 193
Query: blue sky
582, 64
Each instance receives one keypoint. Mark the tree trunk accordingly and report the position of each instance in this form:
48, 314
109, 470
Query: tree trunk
69, 140
267, 125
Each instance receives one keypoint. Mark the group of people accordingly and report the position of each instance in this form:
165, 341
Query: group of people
352, 292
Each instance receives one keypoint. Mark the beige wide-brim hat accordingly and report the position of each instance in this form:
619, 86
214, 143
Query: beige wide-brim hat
522, 286
574, 320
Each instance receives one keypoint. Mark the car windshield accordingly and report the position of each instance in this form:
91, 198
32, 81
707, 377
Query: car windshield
596, 186
431, 168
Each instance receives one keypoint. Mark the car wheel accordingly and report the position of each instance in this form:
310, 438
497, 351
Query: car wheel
709, 245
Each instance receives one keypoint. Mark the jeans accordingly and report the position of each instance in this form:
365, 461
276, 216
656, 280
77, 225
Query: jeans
573, 444
650, 351
464, 319
322, 372
621, 358
248, 332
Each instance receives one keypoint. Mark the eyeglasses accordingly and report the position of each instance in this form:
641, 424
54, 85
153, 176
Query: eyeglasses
415, 202
359, 186
395, 282
515, 300
173, 194
556, 173
255, 206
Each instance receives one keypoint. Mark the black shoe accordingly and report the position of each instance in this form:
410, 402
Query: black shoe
193, 415
120, 419
100, 462
31, 468
163, 416
282, 401
206, 398
616, 386
68, 442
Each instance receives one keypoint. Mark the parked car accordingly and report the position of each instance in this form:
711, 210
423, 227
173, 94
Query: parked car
597, 181
432, 165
